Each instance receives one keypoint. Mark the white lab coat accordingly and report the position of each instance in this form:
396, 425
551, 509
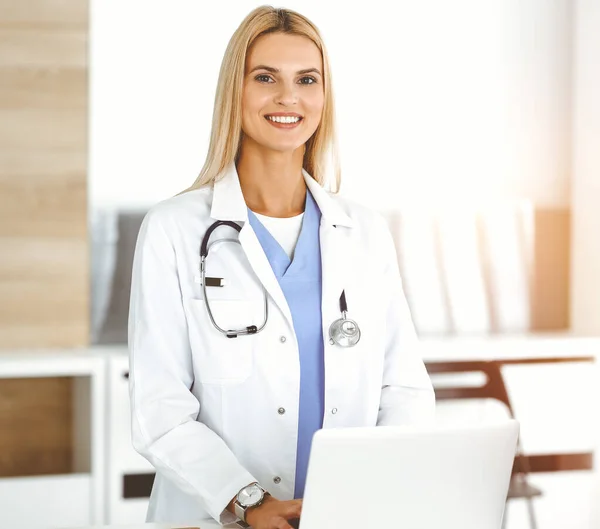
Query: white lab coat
214, 414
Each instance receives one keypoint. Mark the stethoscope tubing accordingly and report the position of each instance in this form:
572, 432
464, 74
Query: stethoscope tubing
231, 333
335, 329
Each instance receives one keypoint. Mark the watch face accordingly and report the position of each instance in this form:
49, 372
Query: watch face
250, 495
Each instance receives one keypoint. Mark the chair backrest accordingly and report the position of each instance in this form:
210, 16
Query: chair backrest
493, 388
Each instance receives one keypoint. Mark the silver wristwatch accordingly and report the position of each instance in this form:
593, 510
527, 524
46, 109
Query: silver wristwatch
250, 496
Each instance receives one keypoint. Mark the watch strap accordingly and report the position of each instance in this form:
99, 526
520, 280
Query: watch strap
240, 511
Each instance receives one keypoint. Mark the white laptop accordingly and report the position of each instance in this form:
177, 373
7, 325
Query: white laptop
409, 478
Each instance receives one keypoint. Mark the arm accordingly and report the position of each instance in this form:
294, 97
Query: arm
407, 394
164, 410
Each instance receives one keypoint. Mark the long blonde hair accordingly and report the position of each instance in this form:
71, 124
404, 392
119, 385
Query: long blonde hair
226, 133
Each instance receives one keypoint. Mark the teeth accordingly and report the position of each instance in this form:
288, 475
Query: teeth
284, 119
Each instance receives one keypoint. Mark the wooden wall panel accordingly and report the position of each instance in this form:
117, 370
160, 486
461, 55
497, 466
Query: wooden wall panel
43, 88
43, 129
44, 265
42, 48
42, 164
56, 14
43, 207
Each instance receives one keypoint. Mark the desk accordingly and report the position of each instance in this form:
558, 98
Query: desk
490, 354
517, 349
205, 524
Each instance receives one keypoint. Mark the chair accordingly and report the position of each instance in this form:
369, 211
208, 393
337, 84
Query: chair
493, 388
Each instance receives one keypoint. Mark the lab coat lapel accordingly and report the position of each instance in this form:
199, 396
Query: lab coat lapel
334, 255
336, 252
263, 270
228, 204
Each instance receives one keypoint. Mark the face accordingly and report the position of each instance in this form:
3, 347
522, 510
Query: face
283, 94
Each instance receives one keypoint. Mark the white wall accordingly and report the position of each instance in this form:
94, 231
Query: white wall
585, 271
436, 100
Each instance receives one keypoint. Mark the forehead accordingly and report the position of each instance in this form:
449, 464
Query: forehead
284, 52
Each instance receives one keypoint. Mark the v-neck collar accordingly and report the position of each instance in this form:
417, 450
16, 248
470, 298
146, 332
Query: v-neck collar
281, 264
228, 200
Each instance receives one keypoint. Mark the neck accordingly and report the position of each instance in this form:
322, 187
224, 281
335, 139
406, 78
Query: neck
272, 182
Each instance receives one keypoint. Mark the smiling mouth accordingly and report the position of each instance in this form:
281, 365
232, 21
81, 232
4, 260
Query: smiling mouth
284, 120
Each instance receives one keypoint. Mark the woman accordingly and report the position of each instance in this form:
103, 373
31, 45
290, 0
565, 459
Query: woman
227, 421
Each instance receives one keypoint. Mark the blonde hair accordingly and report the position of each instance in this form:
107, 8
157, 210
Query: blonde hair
226, 133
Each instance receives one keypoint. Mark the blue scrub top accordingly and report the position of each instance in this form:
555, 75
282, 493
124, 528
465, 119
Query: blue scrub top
300, 281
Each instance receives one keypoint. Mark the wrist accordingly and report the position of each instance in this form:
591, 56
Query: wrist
252, 512
231, 505
249, 497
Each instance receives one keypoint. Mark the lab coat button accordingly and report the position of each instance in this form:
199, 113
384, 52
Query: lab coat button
277, 480
281, 411
282, 339
334, 411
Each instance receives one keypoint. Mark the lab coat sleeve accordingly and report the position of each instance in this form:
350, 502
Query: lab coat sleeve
164, 411
407, 395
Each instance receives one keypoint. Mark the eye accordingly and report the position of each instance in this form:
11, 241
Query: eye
264, 78
261, 77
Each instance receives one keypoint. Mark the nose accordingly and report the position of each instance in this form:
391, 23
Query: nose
287, 94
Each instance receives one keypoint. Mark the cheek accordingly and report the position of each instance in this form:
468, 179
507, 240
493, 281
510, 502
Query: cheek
251, 102
247, 106
315, 105
252, 107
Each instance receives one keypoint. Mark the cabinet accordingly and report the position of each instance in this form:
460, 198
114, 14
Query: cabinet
128, 475
75, 498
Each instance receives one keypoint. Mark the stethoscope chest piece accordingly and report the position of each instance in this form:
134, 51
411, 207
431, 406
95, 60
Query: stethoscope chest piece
344, 332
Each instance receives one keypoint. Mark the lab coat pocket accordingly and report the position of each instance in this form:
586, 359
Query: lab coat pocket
218, 359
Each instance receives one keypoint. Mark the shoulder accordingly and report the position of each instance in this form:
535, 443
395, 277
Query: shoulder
181, 208
174, 216
363, 218
370, 231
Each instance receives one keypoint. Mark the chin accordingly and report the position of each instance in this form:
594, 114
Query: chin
282, 147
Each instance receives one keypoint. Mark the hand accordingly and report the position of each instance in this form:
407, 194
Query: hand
274, 514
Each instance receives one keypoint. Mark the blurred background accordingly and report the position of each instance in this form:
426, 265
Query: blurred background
473, 126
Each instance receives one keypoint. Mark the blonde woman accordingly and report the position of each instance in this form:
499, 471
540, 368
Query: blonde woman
264, 307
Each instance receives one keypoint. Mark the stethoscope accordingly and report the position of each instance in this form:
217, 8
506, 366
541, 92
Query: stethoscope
343, 331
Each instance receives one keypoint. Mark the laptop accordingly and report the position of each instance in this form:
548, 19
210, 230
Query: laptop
435, 477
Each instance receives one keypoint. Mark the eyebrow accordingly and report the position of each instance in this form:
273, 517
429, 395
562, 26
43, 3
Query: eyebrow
276, 70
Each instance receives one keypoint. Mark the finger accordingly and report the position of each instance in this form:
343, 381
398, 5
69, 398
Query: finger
293, 509
282, 524
294, 503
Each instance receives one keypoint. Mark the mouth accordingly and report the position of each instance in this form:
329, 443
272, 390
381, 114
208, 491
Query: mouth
289, 121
